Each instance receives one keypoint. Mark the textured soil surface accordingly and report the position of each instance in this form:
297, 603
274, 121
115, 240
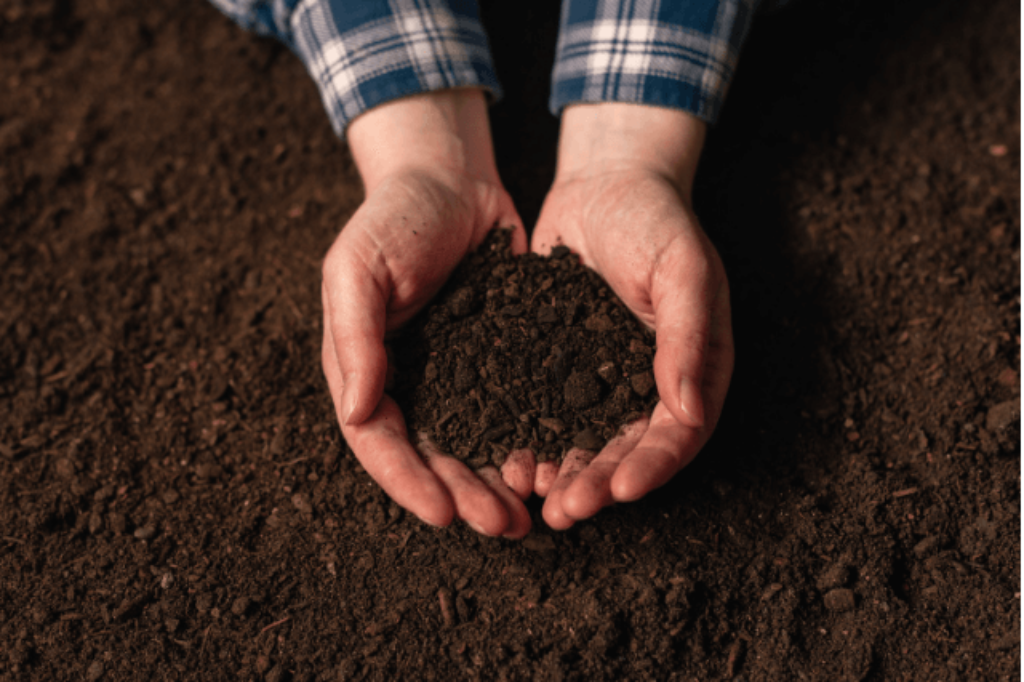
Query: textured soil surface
520, 352
176, 502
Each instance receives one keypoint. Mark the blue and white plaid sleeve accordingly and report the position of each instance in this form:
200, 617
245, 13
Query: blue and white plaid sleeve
362, 53
679, 54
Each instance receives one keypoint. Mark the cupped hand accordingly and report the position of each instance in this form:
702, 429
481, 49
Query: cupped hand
432, 194
621, 200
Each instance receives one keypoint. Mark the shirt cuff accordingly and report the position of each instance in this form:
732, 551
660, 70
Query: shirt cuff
679, 55
362, 53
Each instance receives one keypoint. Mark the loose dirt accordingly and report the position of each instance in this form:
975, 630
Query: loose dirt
176, 502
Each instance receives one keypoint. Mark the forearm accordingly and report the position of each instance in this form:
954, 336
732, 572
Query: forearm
365, 53
445, 132
677, 55
616, 136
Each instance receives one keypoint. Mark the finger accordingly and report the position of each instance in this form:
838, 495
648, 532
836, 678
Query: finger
520, 243
544, 478
681, 298
382, 446
476, 503
355, 309
519, 472
576, 460
519, 519
591, 491
666, 447
720, 358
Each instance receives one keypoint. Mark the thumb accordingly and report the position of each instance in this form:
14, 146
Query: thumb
355, 308
520, 242
681, 297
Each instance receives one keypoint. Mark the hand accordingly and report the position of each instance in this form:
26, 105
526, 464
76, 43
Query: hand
622, 200
432, 193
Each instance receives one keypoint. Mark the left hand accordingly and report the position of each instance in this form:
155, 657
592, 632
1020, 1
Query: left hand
622, 201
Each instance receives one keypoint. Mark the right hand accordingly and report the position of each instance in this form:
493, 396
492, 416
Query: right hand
432, 194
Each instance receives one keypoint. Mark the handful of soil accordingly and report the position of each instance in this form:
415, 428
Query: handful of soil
520, 352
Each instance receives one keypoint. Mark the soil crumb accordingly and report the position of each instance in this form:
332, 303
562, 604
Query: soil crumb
523, 351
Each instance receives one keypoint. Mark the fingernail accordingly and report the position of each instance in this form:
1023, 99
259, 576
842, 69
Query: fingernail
479, 529
346, 409
348, 406
695, 421
691, 404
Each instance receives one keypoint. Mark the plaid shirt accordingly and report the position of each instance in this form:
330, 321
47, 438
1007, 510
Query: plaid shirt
366, 52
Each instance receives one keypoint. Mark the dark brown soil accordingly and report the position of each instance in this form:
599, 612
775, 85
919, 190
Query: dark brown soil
175, 499
522, 352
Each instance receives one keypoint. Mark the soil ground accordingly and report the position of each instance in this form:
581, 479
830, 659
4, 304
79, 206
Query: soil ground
175, 499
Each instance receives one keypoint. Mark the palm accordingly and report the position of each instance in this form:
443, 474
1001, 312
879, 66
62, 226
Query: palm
412, 232
621, 225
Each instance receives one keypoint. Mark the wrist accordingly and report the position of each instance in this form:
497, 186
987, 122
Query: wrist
617, 136
444, 132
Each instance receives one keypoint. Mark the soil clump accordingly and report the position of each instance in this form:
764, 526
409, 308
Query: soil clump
523, 351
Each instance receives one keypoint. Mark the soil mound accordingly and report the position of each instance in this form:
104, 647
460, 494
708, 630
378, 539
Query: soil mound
523, 351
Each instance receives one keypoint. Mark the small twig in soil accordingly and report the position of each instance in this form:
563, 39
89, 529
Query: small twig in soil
445, 417
734, 657
291, 304
444, 597
293, 462
8, 538
57, 376
276, 623
202, 647
904, 493
479, 400
36, 491
405, 540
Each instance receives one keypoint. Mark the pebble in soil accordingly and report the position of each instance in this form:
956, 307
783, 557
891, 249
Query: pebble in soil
522, 351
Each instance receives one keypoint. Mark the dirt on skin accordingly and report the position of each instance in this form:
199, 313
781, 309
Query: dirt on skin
176, 502
523, 351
